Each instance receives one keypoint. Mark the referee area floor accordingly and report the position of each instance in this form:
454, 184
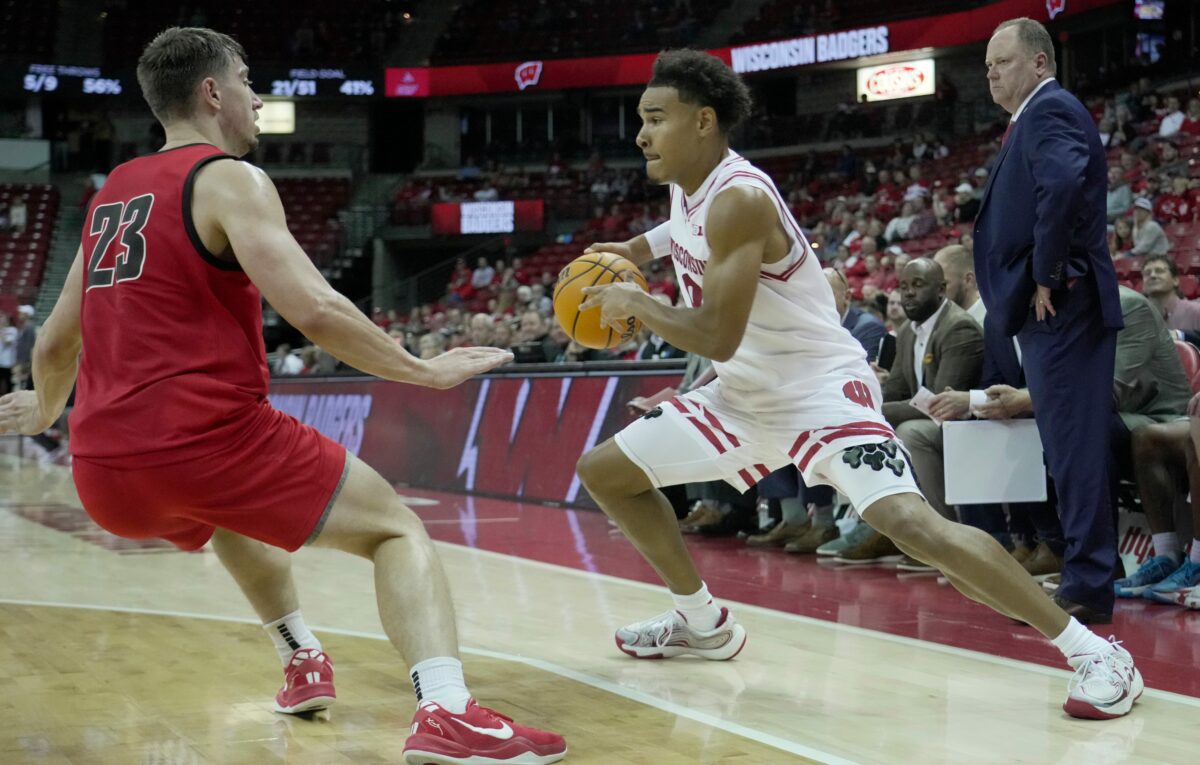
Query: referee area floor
133, 652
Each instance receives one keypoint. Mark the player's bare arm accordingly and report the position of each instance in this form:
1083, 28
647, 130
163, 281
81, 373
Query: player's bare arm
739, 224
238, 210
55, 364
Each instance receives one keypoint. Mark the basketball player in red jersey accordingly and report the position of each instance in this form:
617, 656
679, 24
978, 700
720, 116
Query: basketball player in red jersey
172, 434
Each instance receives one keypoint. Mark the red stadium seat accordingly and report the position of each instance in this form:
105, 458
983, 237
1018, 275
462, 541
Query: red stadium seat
1189, 356
1189, 285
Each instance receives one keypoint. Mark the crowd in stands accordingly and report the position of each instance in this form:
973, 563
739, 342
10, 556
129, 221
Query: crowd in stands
491, 29
893, 229
316, 34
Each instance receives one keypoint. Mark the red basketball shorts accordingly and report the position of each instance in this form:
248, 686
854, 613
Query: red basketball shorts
276, 483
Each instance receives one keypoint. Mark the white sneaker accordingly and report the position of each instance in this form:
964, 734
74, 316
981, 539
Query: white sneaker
668, 635
1105, 684
1189, 598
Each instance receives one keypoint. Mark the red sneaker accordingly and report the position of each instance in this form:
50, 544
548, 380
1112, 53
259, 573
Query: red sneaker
478, 736
307, 683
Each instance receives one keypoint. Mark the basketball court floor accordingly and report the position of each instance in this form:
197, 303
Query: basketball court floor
132, 652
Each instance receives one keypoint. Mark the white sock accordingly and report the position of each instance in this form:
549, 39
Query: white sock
698, 609
440, 680
1077, 639
1167, 543
290, 634
1194, 555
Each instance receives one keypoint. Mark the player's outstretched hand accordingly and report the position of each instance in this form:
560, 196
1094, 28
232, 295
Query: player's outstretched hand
614, 248
461, 364
21, 413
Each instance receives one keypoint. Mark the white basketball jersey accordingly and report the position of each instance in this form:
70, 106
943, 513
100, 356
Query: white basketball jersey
794, 343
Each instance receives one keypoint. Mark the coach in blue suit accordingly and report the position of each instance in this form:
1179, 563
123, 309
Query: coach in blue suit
1046, 277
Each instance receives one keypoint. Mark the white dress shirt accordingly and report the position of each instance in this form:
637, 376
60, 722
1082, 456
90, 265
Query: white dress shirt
923, 330
978, 397
1032, 93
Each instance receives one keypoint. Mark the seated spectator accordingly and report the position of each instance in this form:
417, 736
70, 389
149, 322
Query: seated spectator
1132, 168
470, 170
574, 352
600, 189
866, 329
541, 302
483, 275
1107, 129
958, 269
487, 192
5, 220
286, 361
18, 215
979, 181
923, 223
1148, 237
522, 274
887, 190
642, 222
529, 343
918, 187
612, 225
879, 274
1191, 120
380, 318
896, 318
1174, 204
430, 345
1172, 121
966, 206
1120, 239
1170, 162
1160, 285
940, 348
1120, 197
847, 164
502, 334
898, 227
479, 330
661, 281
508, 279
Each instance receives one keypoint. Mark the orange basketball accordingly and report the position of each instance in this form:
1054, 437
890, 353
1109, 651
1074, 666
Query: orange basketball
591, 270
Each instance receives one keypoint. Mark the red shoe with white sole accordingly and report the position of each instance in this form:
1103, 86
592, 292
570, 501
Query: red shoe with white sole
307, 683
478, 736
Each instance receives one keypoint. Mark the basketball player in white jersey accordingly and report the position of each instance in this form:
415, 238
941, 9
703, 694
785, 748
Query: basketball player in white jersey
792, 386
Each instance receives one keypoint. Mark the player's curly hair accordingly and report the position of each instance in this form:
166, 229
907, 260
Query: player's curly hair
704, 80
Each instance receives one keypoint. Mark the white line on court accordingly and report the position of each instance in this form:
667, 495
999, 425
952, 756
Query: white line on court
1004, 661
736, 729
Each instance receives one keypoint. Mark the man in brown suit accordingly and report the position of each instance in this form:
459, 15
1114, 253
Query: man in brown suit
940, 348
945, 337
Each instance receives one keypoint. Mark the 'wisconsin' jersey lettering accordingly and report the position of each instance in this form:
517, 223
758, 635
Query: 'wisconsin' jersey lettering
794, 335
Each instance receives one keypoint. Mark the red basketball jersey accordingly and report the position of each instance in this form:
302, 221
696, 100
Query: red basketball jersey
173, 364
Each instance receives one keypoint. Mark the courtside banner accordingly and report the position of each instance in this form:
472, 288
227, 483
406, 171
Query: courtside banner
510, 437
529, 76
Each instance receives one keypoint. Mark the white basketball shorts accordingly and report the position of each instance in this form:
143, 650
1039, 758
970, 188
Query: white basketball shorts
834, 436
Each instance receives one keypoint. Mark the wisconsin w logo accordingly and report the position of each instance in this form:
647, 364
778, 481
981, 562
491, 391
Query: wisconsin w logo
858, 392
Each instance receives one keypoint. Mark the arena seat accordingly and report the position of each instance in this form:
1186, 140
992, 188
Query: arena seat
1189, 356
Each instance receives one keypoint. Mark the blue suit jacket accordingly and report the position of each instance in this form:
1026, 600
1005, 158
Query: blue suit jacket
866, 329
1042, 218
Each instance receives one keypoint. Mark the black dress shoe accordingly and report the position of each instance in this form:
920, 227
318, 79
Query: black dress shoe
1084, 614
